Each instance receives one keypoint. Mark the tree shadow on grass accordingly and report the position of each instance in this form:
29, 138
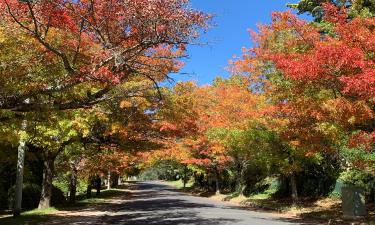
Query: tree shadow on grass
83, 204
24, 219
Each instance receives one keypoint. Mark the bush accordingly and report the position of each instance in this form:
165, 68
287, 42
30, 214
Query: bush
58, 197
30, 196
360, 179
3, 199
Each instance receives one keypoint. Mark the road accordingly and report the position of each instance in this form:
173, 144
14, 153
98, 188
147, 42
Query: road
153, 203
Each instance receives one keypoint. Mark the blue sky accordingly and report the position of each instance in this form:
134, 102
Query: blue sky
228, 36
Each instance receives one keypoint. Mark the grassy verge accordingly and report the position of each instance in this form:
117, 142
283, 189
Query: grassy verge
37, 216
104, 196
31, 217
179, 184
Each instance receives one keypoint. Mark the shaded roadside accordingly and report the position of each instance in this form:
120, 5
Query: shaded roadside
310, 211
87, 211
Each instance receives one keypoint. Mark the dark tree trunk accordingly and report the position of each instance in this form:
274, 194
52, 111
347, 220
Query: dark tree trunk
73, 184
89, 188
114, 180
217, 182
98, 185
240, 179
185, 176
208, 183
48, 171
293, 186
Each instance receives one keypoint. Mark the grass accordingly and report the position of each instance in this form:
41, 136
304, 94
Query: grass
102, 198
179, 184
38, 216
42, 212
35, 216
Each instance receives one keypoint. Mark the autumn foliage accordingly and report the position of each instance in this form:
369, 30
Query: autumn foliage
82, 83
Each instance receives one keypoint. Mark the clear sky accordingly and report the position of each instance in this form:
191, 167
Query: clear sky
232, 20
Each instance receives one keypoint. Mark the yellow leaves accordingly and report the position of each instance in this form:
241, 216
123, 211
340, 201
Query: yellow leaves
332, 131
115, 127
2, 36
101, 117
295, 143
352, 120
125, 104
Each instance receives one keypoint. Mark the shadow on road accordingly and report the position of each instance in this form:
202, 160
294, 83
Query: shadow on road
157, 204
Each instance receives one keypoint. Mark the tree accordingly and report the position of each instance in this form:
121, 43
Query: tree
104, 45
74, 55
316, 7
319, 79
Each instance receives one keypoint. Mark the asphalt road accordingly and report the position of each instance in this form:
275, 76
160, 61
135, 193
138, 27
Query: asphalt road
155, 203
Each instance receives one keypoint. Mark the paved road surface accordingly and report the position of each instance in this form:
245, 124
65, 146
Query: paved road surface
154, 203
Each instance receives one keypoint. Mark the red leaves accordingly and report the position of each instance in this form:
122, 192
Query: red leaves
326, 61
343, 62
361, 85
362, 139
322, 82
105, 42
334, 14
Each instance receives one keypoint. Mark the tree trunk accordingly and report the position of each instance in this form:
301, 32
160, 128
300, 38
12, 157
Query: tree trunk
185, 176
208, 185
217, 185
73, 184
109, 180
114, 180
89, 188
239, 179
98, 184
48, 170
293, 186
19, 182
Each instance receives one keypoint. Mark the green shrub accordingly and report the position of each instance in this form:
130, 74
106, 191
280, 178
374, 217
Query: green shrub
30, 196
359, 179
58, 197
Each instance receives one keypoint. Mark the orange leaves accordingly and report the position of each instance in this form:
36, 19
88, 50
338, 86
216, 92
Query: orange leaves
198, 111
330, 64
323, 80
362, 139
101, 44
228, 105
348, 113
